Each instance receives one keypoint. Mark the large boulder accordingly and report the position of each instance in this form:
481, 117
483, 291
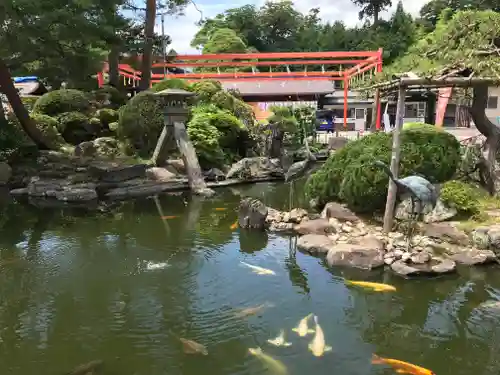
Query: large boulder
252, 214
435, 267
445, 232
473, 257
365, 253
256, 168
337, 211
316, 226
315, 244
441, 212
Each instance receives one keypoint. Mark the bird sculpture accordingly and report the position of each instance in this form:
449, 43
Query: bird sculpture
418, 188
299, 169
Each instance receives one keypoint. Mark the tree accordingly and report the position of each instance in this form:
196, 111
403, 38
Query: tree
224, 41
372, 8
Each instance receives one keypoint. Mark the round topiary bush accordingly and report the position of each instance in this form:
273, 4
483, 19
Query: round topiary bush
56, 102
107, 116
140, 122
421, 126
75, 127
462, 196
205, 89
109, 96
350, 176
173, 83
205, 139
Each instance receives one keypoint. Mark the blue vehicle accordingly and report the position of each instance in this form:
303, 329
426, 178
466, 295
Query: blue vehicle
325, 120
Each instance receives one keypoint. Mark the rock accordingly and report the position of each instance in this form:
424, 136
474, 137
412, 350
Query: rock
314, 203
256, 168
273, 216
440, 213
366, 253
480, 238
5, 173
445, 232
494, 235
159, 174
317, 226
113, 172
85, 149
339, 212
177, 164
214, 174
420, 258
316, 244
473, 257
406, 257
281, 227
336, 143
435, 267
203, 191
76, 194
389, 260
41, 188
106, 146
252, 214
297, 214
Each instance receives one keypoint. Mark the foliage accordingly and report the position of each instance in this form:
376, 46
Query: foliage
462, 196
306, 121
470, 39
421, 126
107, 116
284, 119
29, 102
108, 94
172, 83
372, 8
140, 122
56, 102
349, 175
205, 139
206, 89
224, 41
76, 127
231, 102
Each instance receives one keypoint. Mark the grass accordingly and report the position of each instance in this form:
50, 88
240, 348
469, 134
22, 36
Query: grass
489, 214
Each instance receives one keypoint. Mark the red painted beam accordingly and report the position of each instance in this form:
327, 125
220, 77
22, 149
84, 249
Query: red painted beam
245, 75
354, 69
263, 79
256, 63
276, 55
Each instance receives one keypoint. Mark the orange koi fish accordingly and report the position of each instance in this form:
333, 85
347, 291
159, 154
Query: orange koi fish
401, 367
168, 217
234, 226
220, 209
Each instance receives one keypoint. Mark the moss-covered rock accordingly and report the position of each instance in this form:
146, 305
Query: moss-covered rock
107, 116
108, 96
350, 176
140, 122
76, 127
56, 102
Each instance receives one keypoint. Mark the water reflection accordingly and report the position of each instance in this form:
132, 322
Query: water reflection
123, 285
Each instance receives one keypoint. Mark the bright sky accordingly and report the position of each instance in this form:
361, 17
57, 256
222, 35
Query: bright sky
183, 28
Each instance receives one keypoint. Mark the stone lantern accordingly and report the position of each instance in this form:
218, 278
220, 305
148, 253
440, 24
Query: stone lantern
174, 134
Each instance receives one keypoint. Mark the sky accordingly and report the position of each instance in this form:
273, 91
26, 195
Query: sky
182, 28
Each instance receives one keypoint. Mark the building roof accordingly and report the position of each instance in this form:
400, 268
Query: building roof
279, 87
30, 88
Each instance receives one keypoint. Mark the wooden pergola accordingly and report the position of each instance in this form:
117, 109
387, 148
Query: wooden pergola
402, 85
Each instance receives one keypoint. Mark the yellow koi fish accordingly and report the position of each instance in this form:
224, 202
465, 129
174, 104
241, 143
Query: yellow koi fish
317, 346
302, 329
401, 367
280, 340
259, 270
377, 287
274, 366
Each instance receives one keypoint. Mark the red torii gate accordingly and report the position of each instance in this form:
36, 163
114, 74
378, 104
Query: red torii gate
357, 64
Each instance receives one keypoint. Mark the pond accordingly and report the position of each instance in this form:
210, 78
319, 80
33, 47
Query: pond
124, 286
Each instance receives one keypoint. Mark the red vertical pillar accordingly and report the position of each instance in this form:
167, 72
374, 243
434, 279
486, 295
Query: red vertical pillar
100, 79
379, 107
346, 89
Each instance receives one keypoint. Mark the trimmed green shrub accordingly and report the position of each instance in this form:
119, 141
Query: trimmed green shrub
205, 139
75, 127
173, 83
462, 196
206, 89
106, 93
56, 102
349, 175
107, 116
140, 122
29, 102
421, 126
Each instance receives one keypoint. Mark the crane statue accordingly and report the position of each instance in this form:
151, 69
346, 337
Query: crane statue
299, 169
418, 188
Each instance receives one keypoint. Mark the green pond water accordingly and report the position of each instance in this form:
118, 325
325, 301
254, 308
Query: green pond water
123, 286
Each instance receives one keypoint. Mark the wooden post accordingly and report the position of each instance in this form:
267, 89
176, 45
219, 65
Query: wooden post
396, 151
160, 145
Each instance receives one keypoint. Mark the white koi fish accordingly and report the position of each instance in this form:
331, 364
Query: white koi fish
274, 366
302, 329
259, 270
317, 346
280, 340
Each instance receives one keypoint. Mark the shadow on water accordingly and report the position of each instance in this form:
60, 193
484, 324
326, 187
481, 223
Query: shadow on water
125, 283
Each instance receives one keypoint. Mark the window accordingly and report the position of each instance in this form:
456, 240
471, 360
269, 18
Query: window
411, 110
493, 102
360, 113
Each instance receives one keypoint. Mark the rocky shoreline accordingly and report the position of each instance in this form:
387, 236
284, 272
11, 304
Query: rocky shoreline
78, 180
344, 239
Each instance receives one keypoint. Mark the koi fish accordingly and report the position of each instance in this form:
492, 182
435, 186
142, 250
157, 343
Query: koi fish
302, 329
259, 270
192, 347
234, 225
274, 366
490, 305
401, 367
169, 217
280, 340
377, 287
87, 368
220, 209
252, 310
317, 346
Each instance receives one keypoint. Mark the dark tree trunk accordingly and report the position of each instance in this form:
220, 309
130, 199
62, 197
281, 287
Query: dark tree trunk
490, 131
147, 55
113, 61
27, 123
